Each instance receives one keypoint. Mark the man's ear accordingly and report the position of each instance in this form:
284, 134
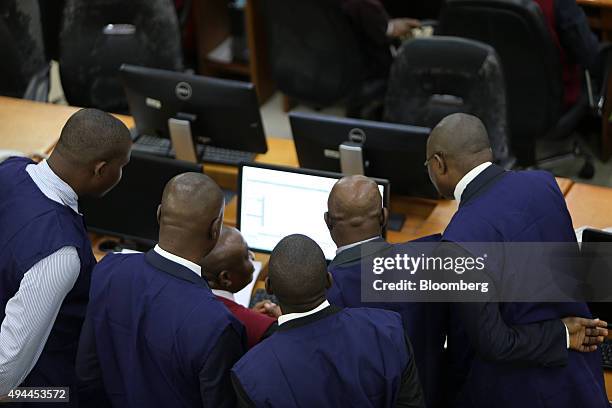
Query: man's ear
215, 228
224, 279
330, 281
269, 289
441, 163
158, 213
384, 217
328, 222
99, 168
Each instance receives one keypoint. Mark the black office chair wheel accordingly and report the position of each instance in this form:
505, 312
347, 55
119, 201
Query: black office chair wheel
587, 171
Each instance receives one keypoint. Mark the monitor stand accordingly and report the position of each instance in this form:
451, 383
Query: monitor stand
352, 163
182, 140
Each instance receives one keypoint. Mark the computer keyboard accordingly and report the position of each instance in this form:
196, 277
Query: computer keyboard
163, 147
226, 156
606, 354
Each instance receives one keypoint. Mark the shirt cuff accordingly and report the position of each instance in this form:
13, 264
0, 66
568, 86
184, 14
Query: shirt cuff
389, 28
567, 337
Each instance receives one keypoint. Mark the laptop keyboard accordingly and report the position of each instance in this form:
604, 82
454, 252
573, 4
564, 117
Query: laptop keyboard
163, 147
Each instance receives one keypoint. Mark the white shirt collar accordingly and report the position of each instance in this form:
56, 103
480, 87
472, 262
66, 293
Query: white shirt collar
224, 294
197, 269
345, 247
468, 178
52, 186
292, 316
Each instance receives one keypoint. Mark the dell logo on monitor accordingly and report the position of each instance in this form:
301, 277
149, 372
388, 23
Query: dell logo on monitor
357, 135
183, 91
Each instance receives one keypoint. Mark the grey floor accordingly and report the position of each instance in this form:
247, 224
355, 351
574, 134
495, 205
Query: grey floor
276, 124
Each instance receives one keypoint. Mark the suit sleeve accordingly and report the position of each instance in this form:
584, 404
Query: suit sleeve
541, 344
410, 394
243, 400
89, 375
215, 382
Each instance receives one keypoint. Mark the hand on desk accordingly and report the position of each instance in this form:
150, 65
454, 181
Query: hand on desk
268, 308
585, 334
401, 27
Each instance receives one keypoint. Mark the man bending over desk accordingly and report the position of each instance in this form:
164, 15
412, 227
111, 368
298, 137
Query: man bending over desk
229, 268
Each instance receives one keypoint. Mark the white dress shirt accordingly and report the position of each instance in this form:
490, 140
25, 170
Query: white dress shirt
292, 316
468, 178
31, 312
224, 294
345, 247
195, 268
460, 188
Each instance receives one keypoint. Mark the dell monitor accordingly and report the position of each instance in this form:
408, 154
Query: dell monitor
222, 113
274, 202
389, 151
129, 211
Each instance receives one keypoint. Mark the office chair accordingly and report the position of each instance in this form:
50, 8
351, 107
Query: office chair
24, 70
98, 36
434, 77
316, 56
517, 30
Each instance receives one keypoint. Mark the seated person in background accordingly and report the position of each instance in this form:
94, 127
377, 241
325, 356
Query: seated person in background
228, 269
377, 31
321, 355
578, 46
155, 335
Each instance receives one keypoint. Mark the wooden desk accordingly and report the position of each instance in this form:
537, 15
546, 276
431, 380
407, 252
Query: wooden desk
590, 205
33, 127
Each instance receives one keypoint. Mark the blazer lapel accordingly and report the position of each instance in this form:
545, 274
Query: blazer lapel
482, 183
174, 269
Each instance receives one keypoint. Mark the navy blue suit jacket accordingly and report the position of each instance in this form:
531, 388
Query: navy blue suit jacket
500, 206
156, 336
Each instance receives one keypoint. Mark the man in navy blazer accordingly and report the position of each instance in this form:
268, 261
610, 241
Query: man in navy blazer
506, 206
155, 335
355, 219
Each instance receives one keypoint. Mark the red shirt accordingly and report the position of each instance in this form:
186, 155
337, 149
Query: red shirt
255, 323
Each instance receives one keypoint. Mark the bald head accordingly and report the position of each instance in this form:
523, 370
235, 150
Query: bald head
190, 215
463, 138
297, 273
229, 265
455, 146
355, 210
92, 135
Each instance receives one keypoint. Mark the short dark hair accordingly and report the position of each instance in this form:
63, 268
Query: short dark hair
297, 269
91, 135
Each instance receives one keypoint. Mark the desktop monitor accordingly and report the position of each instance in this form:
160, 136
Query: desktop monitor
130, 209
597, 247
391, 151
222, 113
274, 202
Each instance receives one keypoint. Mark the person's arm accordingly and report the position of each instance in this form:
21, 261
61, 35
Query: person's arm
31, 313
215, 381
410, 393
575, 35
89, 375
370, 17
243, 400
544, 343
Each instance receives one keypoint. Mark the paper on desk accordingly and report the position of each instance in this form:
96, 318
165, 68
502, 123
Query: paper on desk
244, 296
580, 230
